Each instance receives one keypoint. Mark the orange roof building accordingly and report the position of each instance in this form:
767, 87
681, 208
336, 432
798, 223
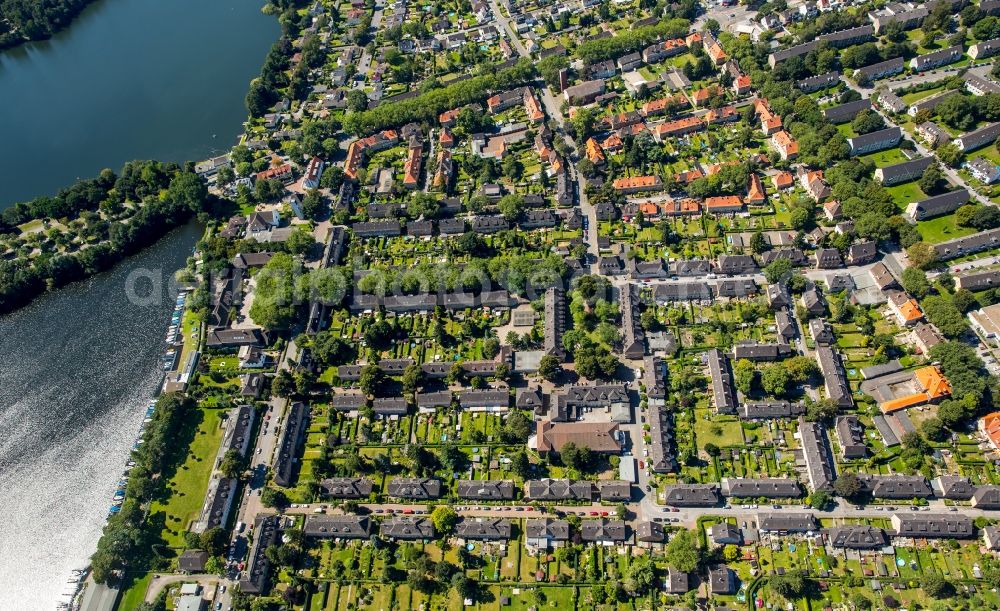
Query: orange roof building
612, 143
906, 309
447, 139
755, 193
535, 114
714, 50
702, 96
714, 168
769, 122
659, 107
741, 85
723, 204
679, 127
637, 184
722, 115
689, 175
933, 388
786, 146
281, 172
411, 169
990, 427
355, 157
594, 152
448, 117
783, 180
681, 207
693, 38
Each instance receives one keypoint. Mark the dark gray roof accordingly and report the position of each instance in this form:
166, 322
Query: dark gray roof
414, 488
722, 381
968, 244
692, 495
938, 204
338, 527
904, 171
485, 490
754, 351
408, 528
787, 522
761, 410
774, 488
484, 529
846, 112
557, 490
346, 487
856, 536
897, 486
603, 530
557, 530
933, 526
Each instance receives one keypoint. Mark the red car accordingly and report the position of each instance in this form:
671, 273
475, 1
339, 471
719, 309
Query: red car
641, 465
408, 511
604, 513
593, 513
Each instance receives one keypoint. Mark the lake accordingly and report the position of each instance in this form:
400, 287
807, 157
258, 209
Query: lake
129, 79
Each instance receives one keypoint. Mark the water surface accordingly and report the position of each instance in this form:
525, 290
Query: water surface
128, 79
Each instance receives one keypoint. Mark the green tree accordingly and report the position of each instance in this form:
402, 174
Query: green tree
272, 497
934, 429
214, 541
921, 254
549, 367
930, 180
820, 500
914, 282
639, 576
520, 465
778, 271
936, 585
413, 377
848, 485
372, 380
775, 380
790, 585
744, 373
823, 410
300, 242
950, 154
945, 316
867, 121
232, 463
444, 519
683, 552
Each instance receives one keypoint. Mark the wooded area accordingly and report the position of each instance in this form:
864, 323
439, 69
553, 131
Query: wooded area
24, 20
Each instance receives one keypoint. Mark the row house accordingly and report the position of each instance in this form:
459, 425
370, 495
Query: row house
678, 127
879, 70
978, 138
875, 141
937, 58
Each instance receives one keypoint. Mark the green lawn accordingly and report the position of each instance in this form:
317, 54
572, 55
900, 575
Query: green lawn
905, 193
886, 157
942, 228
723, 431
135, 594
187, 487
910, 98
